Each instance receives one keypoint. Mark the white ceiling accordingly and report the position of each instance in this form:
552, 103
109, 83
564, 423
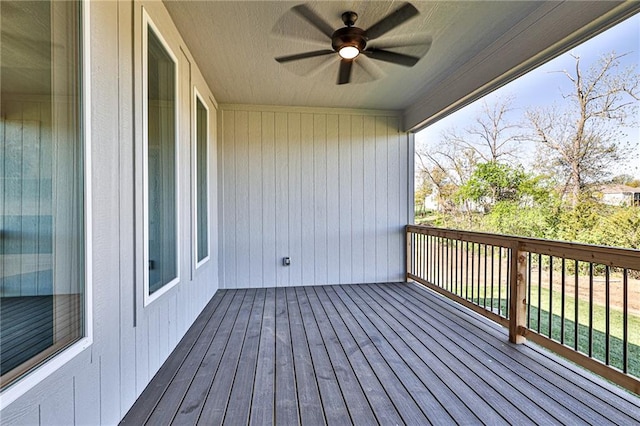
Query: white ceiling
472, 43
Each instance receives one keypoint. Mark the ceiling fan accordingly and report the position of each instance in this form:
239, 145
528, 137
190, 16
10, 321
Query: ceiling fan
349, 42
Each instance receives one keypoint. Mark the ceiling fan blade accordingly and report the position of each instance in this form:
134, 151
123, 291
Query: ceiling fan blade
310, 16
391, 21
405, 40
344, 74
394, 58
304, 55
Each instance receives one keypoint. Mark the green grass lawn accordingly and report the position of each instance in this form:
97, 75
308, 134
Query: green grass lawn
598, 348
598, 341
616, 316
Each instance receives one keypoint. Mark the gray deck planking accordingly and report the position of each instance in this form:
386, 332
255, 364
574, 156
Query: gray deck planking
333, 402
569, 388
286, 404
476, 366
242, 390
309, 401
354, 396
365, 354
262, 406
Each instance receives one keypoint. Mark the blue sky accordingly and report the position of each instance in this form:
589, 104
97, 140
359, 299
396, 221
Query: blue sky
544, 85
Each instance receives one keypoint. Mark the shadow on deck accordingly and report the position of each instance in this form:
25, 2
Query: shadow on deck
365, 354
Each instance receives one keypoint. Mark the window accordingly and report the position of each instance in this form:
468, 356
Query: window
202, 181
161, 195
43, 288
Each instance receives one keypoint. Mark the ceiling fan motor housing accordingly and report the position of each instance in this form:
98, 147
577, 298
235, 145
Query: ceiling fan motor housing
349, 36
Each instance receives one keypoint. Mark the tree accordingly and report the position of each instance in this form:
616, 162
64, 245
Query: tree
446, 168
579, 140
625, 179
449, 162
493, 182
491, 136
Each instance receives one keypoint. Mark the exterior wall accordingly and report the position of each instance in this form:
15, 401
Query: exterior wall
130, 341
327, 188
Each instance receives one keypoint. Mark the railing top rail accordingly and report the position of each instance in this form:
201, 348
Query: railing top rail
610, 256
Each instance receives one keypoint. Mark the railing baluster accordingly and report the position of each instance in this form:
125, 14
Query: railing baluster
500, 280
473, 258
539, 290
607, 306
625, 321
451, 242
414, 253
447, 266
576, 317
466, 272
423, 256
590, 309
510, 256
529, 290
423, 251
493, 251
456, 272
484, 299
434, 260
439, 261
479, 285
550, 297
562, 299
429, 272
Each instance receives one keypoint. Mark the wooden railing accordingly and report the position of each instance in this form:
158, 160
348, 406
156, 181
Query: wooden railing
580, 301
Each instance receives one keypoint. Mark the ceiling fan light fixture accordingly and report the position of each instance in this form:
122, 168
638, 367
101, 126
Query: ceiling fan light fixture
349, 52
351, 41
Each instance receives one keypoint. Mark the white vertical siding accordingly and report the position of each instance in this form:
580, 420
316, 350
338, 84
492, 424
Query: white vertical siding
131, 341
327, 188
294, 187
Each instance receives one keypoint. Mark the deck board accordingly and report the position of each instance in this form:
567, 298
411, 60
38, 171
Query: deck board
242, 390
190, 406
308, 393
364, 354
386, 363
355, 351
286, 412
354, 397
219, 393
333, 405
262, 407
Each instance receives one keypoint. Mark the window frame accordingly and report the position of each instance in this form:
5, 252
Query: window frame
148, 24
36, 375
198, 97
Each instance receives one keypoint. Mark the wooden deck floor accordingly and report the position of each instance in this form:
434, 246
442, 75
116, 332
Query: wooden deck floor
365, 354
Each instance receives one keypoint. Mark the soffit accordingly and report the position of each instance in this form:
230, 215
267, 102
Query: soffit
472, 43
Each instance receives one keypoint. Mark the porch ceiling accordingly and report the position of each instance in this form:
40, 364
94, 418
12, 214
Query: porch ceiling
472, 44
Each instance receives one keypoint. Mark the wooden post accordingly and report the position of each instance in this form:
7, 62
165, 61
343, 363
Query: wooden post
518, 302
409, 245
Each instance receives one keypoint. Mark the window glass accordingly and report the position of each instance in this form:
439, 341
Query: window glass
202, 219
42, 266
161, 165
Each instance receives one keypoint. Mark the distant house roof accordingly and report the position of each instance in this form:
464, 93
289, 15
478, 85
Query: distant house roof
618, 189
